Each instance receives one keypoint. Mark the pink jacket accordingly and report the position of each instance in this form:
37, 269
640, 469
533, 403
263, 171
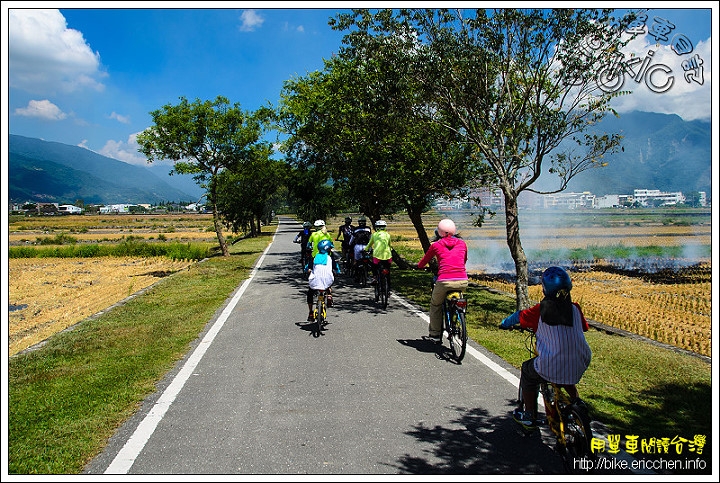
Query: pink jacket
451, 253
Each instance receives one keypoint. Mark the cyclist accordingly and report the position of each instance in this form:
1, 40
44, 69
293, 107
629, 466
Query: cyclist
345, 231
563, 354
319, 234
321, 276
451, 253
360, 237
380, 245
302, 239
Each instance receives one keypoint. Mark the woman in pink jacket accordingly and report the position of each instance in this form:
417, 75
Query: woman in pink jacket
451, 254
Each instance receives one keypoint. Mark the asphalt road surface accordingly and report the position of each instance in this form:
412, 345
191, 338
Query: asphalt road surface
259, 394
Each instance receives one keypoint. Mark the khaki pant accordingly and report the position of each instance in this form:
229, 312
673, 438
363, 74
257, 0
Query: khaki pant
438, 295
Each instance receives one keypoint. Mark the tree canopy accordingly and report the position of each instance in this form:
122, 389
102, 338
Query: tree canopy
203, 138
515, 84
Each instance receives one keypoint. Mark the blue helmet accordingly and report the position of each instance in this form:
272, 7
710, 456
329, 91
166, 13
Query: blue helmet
325, 245
554, 281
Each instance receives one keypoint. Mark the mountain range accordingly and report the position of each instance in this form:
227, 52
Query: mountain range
52, 172
660, 151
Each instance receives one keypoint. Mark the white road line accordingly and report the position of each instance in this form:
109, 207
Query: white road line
126, 457
501, 371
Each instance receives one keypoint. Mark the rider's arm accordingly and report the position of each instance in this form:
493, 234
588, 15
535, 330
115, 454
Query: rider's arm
530, 317
585, 324
427, 257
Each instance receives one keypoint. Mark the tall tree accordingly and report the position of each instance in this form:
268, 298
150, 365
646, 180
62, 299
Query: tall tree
516, 84
357, 121
246, 193
204, 138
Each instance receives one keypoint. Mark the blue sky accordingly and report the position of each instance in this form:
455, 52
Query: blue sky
90, 77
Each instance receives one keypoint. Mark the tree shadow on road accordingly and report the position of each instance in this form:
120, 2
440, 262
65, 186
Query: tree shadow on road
476, 443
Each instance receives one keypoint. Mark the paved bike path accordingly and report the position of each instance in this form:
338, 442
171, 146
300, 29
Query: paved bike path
259, 394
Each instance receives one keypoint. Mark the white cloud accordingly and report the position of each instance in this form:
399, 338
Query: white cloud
42, 110
250, 20
689, 100
127, 151
46, 57
120, 118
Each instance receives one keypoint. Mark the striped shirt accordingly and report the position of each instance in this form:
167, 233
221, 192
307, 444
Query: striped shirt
563, 352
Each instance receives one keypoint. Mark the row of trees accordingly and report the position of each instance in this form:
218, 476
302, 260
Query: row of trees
417, 104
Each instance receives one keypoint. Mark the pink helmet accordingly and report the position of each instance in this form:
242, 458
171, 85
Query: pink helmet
446, 227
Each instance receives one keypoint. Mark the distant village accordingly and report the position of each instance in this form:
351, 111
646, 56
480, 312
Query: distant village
32, 207
640, 198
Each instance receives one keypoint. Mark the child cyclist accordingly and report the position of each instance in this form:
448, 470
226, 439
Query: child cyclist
321, 277
563, 354
379, 243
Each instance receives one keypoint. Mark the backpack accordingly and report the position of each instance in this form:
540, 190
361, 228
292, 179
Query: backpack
362, 237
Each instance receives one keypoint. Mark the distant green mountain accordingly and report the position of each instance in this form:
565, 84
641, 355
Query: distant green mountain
52, 172
661, 151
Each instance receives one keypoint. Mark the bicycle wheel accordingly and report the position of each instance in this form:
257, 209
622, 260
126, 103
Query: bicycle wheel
363, 273
384, 284
578, 436
377, 291
457, 334
319, 316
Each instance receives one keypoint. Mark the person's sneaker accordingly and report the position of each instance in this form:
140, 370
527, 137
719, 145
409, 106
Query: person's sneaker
524, 419
329, 300
434, 340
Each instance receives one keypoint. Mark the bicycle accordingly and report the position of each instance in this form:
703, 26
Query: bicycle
320, 312
305, 260
454, 309
382, 284
347, 258
568, 420
362, 268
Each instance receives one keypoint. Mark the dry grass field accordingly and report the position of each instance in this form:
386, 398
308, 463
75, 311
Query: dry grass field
53, 294
47, 295
669, 305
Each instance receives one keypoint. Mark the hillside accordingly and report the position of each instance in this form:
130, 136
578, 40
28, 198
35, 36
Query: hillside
45, 171
661, 151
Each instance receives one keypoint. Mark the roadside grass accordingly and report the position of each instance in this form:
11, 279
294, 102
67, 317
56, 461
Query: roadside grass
635, 388
68, 397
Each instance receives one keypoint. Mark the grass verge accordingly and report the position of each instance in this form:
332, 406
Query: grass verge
70, 395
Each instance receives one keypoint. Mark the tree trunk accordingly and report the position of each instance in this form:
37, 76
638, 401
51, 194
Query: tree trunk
218, 231
512, 225
416, 218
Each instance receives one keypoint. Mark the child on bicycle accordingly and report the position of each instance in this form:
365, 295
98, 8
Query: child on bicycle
563, 354
345, 231
313, 242
321, 276
302, 238
451, 253
379, 243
